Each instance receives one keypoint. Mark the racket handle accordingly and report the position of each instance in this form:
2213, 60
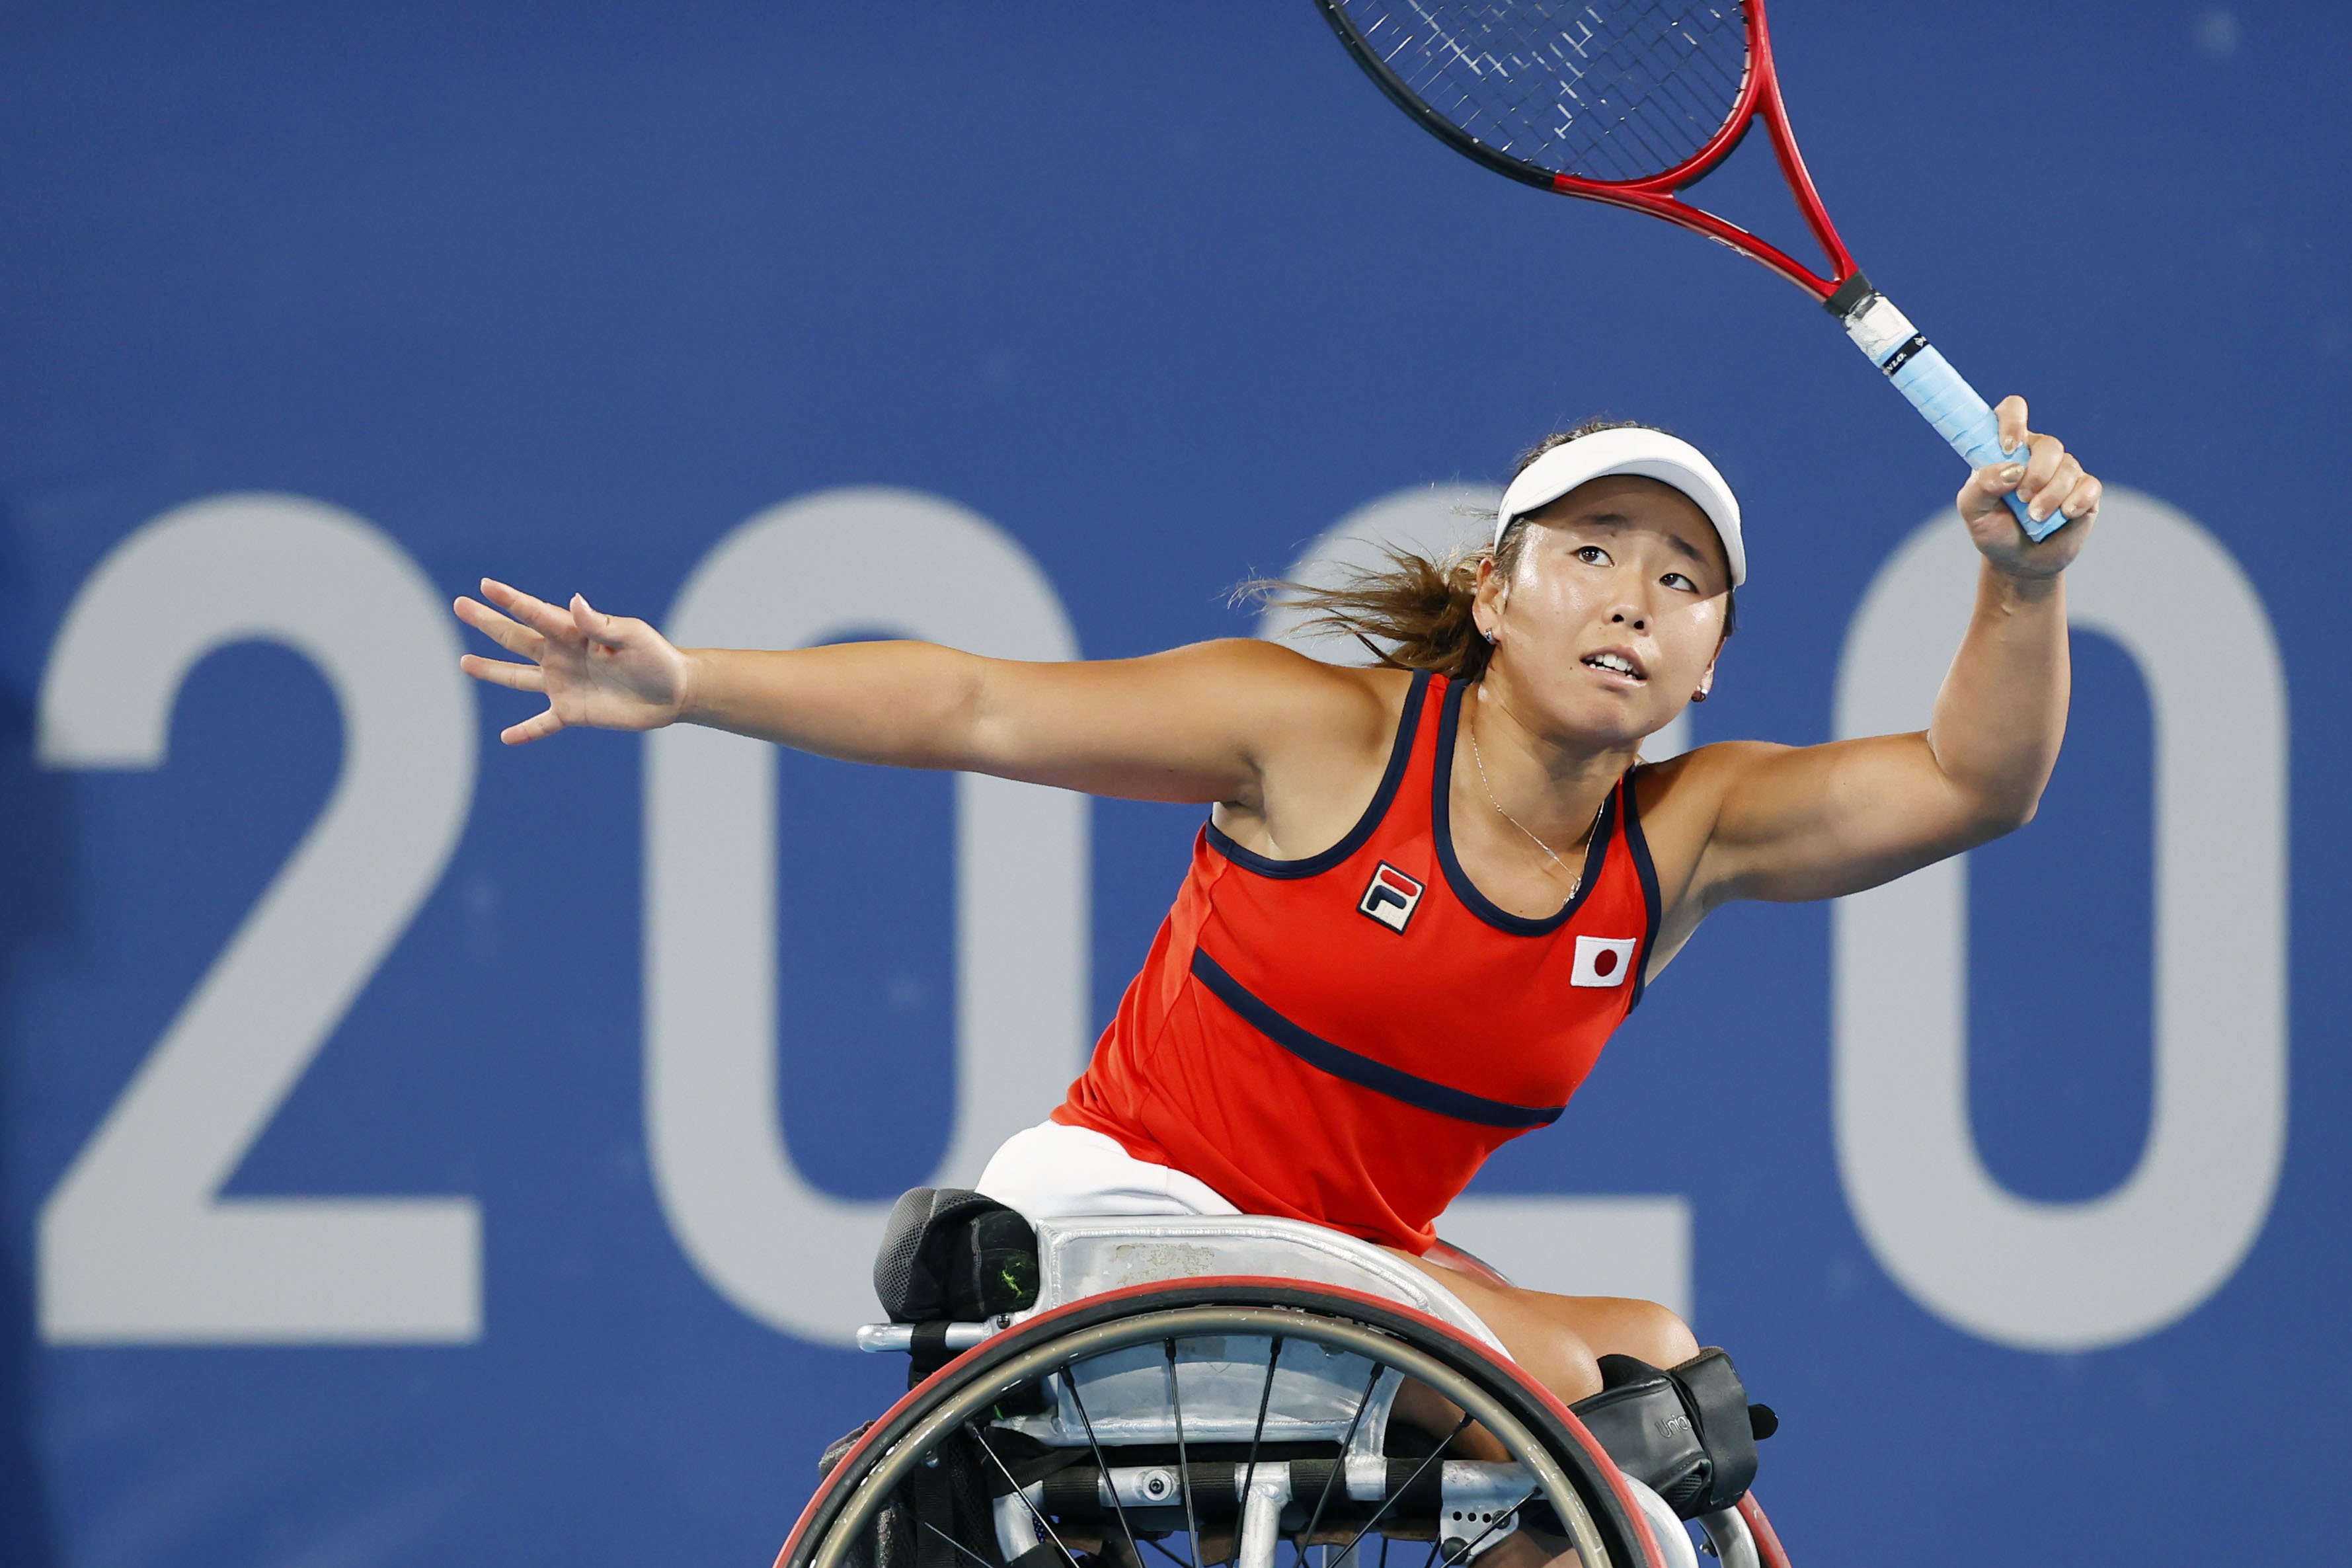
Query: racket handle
1942, 396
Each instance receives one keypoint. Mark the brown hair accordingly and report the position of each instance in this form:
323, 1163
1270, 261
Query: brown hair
1414, 613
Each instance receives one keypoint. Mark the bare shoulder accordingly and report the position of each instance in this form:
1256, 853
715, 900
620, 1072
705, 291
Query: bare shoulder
1682, 801
1256, 659
1321, 737
1314, 703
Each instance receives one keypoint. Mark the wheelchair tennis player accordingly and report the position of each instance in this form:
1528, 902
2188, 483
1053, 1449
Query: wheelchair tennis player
1427, 891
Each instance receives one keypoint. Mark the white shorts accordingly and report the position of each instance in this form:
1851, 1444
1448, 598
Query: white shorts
1051, 1171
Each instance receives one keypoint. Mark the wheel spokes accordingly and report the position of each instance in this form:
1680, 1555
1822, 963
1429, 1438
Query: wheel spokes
959, 1545
1145, 1428
1070, 1381
1043, 1522
1184, 1465
1338, 1467
1164, 1552
1249, 1473
1395, 1492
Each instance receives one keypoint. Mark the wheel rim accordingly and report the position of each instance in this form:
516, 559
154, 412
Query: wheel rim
841, 1515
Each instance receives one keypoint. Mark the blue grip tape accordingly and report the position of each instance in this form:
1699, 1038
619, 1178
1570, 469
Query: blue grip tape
1962, 419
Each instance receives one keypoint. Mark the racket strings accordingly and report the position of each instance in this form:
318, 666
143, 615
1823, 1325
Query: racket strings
1601, 90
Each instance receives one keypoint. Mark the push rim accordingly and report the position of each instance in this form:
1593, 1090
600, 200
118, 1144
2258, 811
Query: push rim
1530, 1422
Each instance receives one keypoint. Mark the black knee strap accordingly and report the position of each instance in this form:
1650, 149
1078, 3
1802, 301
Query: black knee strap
1688, 1433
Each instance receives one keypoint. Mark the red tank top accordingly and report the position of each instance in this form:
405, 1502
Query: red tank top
1345, 1038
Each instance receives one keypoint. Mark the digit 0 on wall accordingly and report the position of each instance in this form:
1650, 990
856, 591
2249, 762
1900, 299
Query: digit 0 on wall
136, 1243
2079, 1275
766, 1238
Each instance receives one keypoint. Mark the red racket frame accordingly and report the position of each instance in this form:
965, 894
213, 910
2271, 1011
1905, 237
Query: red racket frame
1760, 98
1759, 95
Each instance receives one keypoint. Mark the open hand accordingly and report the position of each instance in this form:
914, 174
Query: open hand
2050, 480
600, 671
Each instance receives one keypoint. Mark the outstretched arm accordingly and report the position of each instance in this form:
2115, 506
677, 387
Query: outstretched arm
1816, 822
1200, 723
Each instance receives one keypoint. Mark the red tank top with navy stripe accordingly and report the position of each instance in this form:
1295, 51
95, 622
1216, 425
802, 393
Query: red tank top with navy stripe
1345, 1038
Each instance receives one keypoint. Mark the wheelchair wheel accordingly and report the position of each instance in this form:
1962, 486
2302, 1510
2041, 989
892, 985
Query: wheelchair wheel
1181, 1424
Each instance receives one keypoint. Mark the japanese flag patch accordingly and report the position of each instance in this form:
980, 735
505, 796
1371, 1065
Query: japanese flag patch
1602, 960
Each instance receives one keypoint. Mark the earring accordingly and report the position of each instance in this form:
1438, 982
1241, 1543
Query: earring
1492, 637
1700, 695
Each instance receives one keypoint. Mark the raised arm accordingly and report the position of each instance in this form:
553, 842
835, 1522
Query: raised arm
1200, 723
1816, 822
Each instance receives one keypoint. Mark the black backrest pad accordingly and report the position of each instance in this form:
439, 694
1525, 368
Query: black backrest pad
954, 1256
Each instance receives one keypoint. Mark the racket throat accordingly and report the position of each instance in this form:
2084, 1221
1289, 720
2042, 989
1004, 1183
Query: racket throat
1880, 330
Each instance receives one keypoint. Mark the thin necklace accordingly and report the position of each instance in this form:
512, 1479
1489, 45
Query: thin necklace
1576, 876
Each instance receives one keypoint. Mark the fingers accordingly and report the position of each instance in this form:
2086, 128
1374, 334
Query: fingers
530, 621
610, 631
2011, 415
2047, 477
1986, 487
506, 634
2050, 461
537, 727
2067, 489
2054, 492
498, 672
2076, 493
537, 614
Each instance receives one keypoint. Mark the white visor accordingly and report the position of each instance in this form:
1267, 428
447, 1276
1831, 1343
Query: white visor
1650, 454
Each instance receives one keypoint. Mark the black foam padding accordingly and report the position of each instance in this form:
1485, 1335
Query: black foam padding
949, 1254
940, 1516
994, 1266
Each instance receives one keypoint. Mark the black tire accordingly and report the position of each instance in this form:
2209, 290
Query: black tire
864, 1513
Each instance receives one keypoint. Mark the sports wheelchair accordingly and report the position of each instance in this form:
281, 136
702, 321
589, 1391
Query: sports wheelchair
1204, 1389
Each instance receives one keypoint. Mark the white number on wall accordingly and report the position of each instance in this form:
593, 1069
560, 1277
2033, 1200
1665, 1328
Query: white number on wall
814, 569
135, 1243
2077, 1276
1619, 1244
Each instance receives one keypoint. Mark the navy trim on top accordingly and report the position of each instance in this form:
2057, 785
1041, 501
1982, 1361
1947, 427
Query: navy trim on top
1640, 846
1400, 753
1397, 1084
1596, 852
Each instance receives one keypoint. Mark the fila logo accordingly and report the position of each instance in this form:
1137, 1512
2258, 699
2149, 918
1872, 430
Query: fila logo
1602, 960
1390, 898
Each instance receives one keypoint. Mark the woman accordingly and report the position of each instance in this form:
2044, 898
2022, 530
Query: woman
1428, 890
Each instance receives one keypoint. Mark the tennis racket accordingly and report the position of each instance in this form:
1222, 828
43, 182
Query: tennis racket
1632, 102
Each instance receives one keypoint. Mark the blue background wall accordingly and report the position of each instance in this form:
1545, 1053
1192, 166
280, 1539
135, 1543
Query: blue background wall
563, 294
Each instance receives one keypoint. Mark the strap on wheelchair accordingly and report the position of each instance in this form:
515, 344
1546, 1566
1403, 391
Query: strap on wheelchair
928, 1352
1688, 1433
